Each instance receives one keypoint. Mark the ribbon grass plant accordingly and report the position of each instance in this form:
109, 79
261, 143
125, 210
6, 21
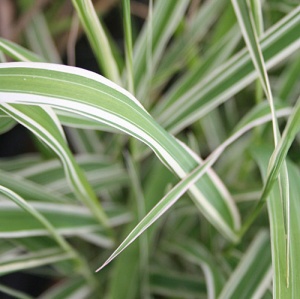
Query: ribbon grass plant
167, 169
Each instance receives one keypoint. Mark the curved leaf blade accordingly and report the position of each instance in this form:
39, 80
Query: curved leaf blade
85, 93
17, 52
43, 123
177, 112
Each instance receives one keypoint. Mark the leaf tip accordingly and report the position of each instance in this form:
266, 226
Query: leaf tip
103, 265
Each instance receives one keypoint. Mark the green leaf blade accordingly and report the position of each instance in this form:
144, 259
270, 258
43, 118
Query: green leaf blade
82, 92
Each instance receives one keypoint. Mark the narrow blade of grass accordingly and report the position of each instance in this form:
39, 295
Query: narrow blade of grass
97, 37
173, 284
277, 226
69, 289
141, 211
199, 255
253, 275
67, 219
69, 251
12, 292
44, 124
166, 16
29, 189
174, 194
164, 204
247, 25
176, 112
40, 40
18, 53
33, 260
277, 159
100, 171
251, 38
289, 80
175, 57
39, 217
128, 44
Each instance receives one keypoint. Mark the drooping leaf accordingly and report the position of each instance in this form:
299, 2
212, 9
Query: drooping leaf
44, 124
85, 93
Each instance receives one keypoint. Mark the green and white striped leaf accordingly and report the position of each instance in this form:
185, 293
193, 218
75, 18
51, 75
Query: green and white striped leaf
40, 40
6, 123
277, 160
281, 287
79, 121
278, 43
253, 275
101, 172
33, 260
128, 44
85, 93
166, 16
175, 57
173, 284
165, 203
199, 255
39, 217
17, 52
97, 38
44, 124
174, 194
262, 111
219, 53
30, 190
20, 162
69, 289
247, 24
67, 249
67, 219
289, 80
278, 236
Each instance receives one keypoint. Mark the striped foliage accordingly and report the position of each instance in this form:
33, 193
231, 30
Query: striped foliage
174, 172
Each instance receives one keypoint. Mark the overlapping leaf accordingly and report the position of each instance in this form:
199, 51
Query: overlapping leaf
167, 16
85, 93
44, 124
281, 288
67, 219
177, 111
